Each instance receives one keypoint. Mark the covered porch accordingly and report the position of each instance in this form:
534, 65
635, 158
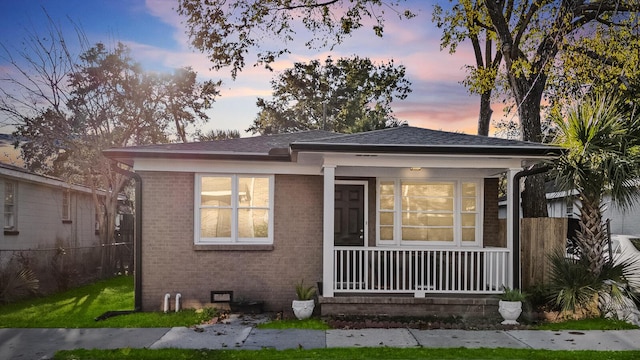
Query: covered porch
426, 230
464, 264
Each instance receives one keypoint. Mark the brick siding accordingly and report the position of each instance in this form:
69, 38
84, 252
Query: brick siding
491, 224
171, 263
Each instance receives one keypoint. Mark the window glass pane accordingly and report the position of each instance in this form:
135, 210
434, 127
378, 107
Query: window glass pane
387, 188
469, 189
253, 192
427, 204
386, 202
215, 223
216, 191
415, 188
468, 234
253, 223
66, 205
427, 234
8, 193
9, 209
469, 220
425, 219
468, 204
386, 218
437, 234
8, 221
386, 233
414, 234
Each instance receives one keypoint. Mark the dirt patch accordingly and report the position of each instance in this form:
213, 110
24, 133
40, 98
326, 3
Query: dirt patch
422, 323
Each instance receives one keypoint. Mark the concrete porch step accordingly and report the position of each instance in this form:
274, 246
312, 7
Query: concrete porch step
389, 305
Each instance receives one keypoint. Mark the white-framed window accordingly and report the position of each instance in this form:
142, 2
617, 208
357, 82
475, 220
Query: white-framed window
233, 209
9, 205
66, 205
429, 212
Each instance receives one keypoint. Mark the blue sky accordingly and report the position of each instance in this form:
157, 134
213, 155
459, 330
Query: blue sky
153, 31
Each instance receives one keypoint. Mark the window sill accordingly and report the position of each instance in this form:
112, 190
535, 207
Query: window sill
230, 247
12, 232
67, 222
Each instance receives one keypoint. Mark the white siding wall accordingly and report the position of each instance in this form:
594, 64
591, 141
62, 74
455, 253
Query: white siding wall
39, 218
625, 223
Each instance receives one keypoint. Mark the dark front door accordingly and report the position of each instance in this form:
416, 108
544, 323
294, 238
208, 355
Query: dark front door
349, 215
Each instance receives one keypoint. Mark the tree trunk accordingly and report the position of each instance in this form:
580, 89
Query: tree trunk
528, 96
484, 119
592, 235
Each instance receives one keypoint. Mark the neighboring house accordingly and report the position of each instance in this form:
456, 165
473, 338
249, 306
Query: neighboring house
560, 204
395, 221
620, 222
44, 212
49, 225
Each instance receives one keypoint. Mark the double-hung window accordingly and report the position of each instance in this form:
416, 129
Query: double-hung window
66, 205
9, 205
234, 209
428, 212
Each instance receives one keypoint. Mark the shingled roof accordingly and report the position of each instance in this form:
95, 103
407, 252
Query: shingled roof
403, 139
408, 139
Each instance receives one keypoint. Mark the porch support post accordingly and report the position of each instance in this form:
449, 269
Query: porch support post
328, 230
513, 214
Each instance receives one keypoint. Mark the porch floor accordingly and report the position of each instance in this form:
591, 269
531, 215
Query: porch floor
404, 305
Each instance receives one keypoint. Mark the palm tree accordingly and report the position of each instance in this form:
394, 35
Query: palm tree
602, 138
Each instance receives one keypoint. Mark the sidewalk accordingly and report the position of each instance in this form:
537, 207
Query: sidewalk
43, 343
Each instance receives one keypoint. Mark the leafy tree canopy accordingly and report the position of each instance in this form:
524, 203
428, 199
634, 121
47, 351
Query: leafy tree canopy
218, 135
539, 42
110, 102
549, 48
228, 30
602, 137
71, 107
347, 95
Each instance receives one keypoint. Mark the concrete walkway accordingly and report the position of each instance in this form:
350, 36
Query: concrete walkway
236, 334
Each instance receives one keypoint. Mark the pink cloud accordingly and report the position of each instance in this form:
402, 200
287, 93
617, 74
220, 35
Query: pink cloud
438, 101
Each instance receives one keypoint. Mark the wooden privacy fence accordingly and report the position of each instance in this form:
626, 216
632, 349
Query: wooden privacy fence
539, 237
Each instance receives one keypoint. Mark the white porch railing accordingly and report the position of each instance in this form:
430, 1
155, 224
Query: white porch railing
437, 271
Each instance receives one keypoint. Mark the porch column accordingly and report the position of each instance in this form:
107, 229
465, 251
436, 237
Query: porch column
327, 232
510, 219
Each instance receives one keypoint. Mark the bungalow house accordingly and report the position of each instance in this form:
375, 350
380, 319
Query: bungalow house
395, 221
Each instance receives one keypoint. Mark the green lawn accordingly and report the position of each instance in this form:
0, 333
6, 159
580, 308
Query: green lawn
348, 353
78, 308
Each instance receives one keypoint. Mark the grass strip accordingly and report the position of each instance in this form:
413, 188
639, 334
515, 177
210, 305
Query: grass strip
78, 308
344, 353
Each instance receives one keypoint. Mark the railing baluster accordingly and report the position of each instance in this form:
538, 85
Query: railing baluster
398, 270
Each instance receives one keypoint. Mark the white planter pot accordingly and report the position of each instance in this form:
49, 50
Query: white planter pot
303, 308
510, 311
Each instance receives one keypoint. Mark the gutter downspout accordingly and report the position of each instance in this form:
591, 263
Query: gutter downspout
515, 197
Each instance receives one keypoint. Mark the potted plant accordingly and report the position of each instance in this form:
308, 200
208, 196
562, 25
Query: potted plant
303, 306
510, 305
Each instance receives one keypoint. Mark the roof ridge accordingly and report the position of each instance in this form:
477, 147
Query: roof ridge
340, 135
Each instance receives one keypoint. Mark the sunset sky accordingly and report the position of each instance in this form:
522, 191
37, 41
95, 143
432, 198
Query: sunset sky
152, 29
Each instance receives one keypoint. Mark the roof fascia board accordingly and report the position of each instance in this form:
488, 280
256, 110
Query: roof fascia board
41, 180
225, 166
426, 161
121, 155
547, 151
